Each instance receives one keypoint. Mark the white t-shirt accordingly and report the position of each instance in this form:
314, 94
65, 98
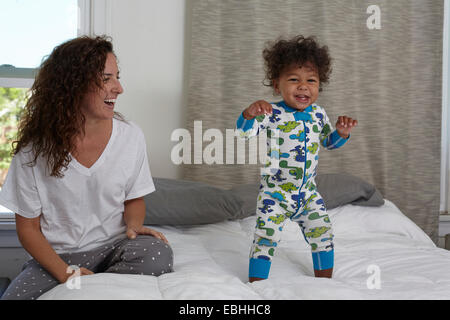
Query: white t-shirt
84, 209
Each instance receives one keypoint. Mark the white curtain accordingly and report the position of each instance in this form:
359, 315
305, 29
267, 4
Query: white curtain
387, 72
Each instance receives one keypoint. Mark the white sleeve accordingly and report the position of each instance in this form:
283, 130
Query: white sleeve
19, 192
140, 182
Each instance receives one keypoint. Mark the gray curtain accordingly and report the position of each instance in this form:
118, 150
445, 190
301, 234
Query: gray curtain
388, 78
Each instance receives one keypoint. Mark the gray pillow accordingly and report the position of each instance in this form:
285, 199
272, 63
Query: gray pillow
182, 202
248, 193
338, 189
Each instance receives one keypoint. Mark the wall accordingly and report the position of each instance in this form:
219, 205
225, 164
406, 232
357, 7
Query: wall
149, 40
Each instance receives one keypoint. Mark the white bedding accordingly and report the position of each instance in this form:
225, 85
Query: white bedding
211, 262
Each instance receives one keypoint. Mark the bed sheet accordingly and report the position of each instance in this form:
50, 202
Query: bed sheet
379, 254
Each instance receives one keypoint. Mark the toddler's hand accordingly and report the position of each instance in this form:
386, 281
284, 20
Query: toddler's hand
344, 125
257, 108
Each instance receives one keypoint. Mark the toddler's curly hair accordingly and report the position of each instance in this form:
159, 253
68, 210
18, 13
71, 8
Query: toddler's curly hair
298, 50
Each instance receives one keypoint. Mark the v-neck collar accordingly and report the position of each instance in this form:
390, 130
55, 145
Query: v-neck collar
89, 171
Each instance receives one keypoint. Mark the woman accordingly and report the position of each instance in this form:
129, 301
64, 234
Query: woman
78, 176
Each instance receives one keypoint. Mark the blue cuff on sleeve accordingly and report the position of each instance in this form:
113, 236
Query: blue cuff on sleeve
335, 141
323, 260
259, 268
243, 123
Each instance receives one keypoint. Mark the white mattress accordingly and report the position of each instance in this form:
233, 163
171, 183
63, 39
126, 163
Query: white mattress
211, 262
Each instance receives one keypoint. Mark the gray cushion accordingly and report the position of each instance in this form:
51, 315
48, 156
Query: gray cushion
338, 189
182, 202
248, 193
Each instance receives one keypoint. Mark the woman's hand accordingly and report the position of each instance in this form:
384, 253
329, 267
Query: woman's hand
134, 216
133, 232
75, 272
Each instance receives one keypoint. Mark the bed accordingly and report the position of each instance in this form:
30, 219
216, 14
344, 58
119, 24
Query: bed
379, 254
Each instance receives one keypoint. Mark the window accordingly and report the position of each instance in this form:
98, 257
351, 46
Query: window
12, 101
33, 28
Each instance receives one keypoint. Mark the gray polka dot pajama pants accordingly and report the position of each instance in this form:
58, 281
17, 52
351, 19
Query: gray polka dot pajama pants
144, 255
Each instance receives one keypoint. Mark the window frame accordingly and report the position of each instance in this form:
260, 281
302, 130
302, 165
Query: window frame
445, 128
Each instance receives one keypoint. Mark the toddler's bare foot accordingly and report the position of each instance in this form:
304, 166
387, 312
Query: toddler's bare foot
327, 273
251, 279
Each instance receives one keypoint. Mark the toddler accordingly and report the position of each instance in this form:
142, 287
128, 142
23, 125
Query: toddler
296, 68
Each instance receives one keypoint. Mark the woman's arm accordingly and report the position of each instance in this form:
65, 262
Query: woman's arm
34, 242
134, 215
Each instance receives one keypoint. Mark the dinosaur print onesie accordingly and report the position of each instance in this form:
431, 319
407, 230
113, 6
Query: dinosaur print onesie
288, 189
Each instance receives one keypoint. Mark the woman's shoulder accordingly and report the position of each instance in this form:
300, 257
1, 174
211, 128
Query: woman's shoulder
26, 153
127, 128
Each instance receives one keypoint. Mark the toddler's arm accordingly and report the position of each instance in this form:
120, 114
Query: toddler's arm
257, 108
334, 139
344, 125
253, 119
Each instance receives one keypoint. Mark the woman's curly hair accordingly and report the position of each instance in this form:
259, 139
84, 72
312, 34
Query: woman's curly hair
299, 50
52, 117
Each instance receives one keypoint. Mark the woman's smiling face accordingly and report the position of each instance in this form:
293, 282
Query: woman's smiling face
299, 86
99, 103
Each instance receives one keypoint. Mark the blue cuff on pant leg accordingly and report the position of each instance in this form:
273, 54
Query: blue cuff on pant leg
259, 268
323, 260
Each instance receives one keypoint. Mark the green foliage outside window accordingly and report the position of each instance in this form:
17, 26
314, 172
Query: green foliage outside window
12, 101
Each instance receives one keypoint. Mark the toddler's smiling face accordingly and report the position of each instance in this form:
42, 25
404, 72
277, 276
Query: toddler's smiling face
298, 85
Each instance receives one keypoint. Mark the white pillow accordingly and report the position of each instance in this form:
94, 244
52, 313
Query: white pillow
387, 219
350, 221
